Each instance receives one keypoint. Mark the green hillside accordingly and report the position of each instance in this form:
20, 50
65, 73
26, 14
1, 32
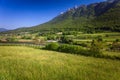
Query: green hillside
23, 63
103, 16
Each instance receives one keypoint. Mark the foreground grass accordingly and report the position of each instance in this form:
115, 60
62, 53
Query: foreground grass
23, 63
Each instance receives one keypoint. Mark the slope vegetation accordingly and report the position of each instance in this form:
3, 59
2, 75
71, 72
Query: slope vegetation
103, 16
22, 63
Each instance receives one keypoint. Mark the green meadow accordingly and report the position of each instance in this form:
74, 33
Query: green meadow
80, 43
24, 63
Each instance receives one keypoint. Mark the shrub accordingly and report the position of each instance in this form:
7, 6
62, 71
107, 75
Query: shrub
26, 37
73, 49
11, 39
66, 48
80, 44
52, 46
117, 40
115, 46
95, 49
67, 39
39, 40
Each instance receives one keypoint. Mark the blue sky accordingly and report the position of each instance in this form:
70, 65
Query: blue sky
27, 13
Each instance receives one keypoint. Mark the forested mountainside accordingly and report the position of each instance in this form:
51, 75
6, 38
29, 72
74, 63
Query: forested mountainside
95, 17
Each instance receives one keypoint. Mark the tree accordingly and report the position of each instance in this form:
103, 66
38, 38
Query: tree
67, 39
95, 48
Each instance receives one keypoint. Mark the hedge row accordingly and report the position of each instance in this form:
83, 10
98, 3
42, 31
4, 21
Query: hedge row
19, 44
73, 49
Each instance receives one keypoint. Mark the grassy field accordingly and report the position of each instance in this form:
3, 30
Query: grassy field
109, 37
23, 63
111, 53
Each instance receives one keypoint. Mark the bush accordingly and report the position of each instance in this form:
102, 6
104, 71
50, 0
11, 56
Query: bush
80, 44
52, 46
95, 49
11, 39
26, 37
67, 39
73, 49
115, 46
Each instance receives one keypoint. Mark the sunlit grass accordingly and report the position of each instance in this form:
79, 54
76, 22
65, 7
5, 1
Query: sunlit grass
112, 53
23, 63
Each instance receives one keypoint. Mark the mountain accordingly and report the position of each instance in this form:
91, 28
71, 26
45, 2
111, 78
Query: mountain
3, 29
96, 17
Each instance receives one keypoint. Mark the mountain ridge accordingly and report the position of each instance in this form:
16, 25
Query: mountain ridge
3, 30
102, 16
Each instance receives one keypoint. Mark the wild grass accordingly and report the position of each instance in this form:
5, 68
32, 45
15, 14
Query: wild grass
108, 37
24, 63
117, 53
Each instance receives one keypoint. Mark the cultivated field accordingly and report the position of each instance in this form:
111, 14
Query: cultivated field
23, 63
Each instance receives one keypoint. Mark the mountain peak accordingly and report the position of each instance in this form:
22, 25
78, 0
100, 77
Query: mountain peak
95, 16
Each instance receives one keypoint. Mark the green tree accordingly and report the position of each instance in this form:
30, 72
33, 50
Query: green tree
95, 48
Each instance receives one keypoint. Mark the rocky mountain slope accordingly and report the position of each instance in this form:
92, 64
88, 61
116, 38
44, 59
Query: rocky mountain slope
102, 16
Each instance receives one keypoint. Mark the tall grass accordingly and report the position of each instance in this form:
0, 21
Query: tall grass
23, 63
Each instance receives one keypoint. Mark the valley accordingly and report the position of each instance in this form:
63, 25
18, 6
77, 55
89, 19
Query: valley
82, 43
